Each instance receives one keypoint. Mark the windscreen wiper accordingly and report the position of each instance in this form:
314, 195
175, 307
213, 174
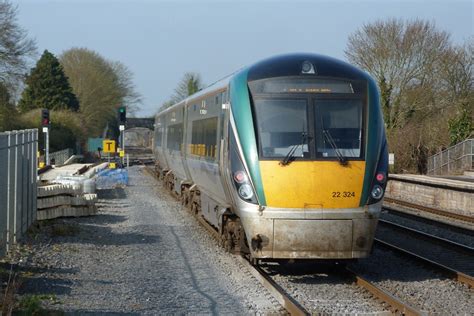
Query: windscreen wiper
340, 157
290, 155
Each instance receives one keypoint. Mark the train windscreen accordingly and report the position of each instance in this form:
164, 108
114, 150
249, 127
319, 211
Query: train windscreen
282, 124
293, 118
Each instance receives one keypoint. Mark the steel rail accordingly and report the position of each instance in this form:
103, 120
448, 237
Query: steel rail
444, 223
458, 276
439, 240
285, 300
397, 304
291, 306
289, 303
427, 209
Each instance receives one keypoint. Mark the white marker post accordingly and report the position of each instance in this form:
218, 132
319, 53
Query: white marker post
391, 159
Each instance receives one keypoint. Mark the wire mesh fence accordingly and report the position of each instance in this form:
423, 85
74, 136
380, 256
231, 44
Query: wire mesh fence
453, 160
18, 175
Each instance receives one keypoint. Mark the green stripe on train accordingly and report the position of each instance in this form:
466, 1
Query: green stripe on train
242, 112
375, 135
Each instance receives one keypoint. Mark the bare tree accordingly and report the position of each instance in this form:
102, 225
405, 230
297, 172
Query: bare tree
188, 85
16, 49
100, 85
402, 56
131, 98
426, 86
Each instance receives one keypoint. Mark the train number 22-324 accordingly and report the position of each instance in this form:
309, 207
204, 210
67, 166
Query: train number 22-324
345, 194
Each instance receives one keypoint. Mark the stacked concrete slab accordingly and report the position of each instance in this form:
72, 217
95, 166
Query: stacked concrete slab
58, 200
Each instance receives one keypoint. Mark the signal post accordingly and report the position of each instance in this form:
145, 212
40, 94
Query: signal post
45, 122
122, 116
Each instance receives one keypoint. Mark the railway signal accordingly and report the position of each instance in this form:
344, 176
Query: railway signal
122, 116
122, 111
45, 117
45, 122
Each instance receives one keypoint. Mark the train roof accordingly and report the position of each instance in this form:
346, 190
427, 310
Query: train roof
292, 65
218, 85
284, 65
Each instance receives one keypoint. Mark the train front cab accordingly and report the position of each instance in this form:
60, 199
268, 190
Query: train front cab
319, 142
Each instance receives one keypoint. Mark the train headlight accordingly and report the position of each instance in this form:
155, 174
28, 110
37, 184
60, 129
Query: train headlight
240, 178
307, 68
245, 191
377, 192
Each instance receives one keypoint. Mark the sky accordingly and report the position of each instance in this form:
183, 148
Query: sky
159, 41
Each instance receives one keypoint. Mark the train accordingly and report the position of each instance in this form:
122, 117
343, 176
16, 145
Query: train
285, 159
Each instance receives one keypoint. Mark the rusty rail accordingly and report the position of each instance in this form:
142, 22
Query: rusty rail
291, 306
431, 210
458, 276
397, 304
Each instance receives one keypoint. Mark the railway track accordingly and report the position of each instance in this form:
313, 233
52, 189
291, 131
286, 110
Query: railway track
451, 257
293, 306
430, 210
430, 223
398, 306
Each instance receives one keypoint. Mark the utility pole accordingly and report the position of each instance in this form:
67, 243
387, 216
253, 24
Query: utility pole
45, 122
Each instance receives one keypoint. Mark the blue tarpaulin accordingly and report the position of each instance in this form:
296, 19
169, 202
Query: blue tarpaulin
111, 178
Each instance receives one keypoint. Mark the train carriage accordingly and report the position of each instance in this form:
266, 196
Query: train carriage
286, 159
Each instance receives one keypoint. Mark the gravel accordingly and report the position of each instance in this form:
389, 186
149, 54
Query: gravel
325, 289
423, 288
142, 254
461, 236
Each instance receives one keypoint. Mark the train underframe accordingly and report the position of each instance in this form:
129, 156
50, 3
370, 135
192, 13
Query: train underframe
273, 233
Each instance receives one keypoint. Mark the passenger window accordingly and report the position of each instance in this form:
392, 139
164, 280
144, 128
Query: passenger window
175, 137
204, 138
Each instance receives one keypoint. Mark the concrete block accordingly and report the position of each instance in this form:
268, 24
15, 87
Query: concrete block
53, 201
57, 189
66, 211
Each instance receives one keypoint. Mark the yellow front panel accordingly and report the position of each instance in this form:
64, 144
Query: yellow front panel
312, 184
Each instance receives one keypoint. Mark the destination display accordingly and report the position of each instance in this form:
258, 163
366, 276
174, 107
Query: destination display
302, 86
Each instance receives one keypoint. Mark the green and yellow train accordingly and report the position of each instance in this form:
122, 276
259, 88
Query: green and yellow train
285, 159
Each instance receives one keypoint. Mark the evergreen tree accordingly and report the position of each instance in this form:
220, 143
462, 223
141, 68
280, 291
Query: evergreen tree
8, 114
48, 87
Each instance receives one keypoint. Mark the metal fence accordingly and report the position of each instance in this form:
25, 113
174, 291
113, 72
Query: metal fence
455, 159
61, 156
18, 175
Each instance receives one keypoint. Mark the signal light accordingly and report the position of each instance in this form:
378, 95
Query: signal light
45, 117
122, 111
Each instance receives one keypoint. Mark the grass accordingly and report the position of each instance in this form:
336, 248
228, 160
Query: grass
9, 286
31, 304
63, 230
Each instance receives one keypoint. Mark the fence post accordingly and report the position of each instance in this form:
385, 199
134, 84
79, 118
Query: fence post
34, 174
3, 194
18, 177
